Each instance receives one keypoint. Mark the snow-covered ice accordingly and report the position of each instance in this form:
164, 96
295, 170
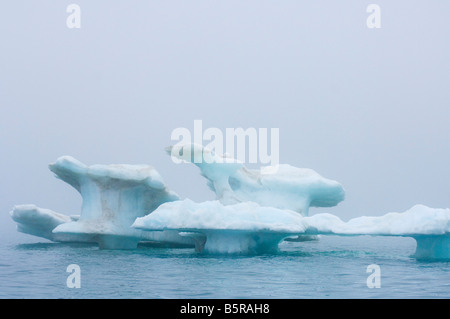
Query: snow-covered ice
249, 227
239, 228
418, 220
430, 227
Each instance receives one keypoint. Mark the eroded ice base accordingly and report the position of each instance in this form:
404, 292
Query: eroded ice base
235, 241
433, 247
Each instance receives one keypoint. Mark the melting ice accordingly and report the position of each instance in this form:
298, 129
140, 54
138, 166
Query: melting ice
253, 212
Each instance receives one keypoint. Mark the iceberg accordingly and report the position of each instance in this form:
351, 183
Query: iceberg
282, 186
216, 228
254, 211
430, 227
250, 228
418, 220
113, 197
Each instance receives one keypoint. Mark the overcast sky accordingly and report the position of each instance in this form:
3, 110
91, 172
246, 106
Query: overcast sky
369, 108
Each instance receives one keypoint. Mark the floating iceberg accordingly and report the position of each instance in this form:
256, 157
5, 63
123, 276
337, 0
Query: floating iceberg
113, 197
254, 211
281, 186
418, 220
216, 228
430, 227
250, 228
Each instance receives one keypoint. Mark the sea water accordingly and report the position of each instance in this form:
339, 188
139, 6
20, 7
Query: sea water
331, 267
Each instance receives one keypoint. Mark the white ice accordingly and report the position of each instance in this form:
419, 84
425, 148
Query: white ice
282, 186
418, 220
37, 221
239, 228
430, 227
255, 209
248, 227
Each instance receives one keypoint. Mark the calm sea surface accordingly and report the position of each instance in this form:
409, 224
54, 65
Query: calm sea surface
332, 267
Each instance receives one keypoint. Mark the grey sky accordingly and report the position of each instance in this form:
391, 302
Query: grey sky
367, 107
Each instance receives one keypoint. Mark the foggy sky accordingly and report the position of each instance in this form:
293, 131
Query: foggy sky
369, 108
